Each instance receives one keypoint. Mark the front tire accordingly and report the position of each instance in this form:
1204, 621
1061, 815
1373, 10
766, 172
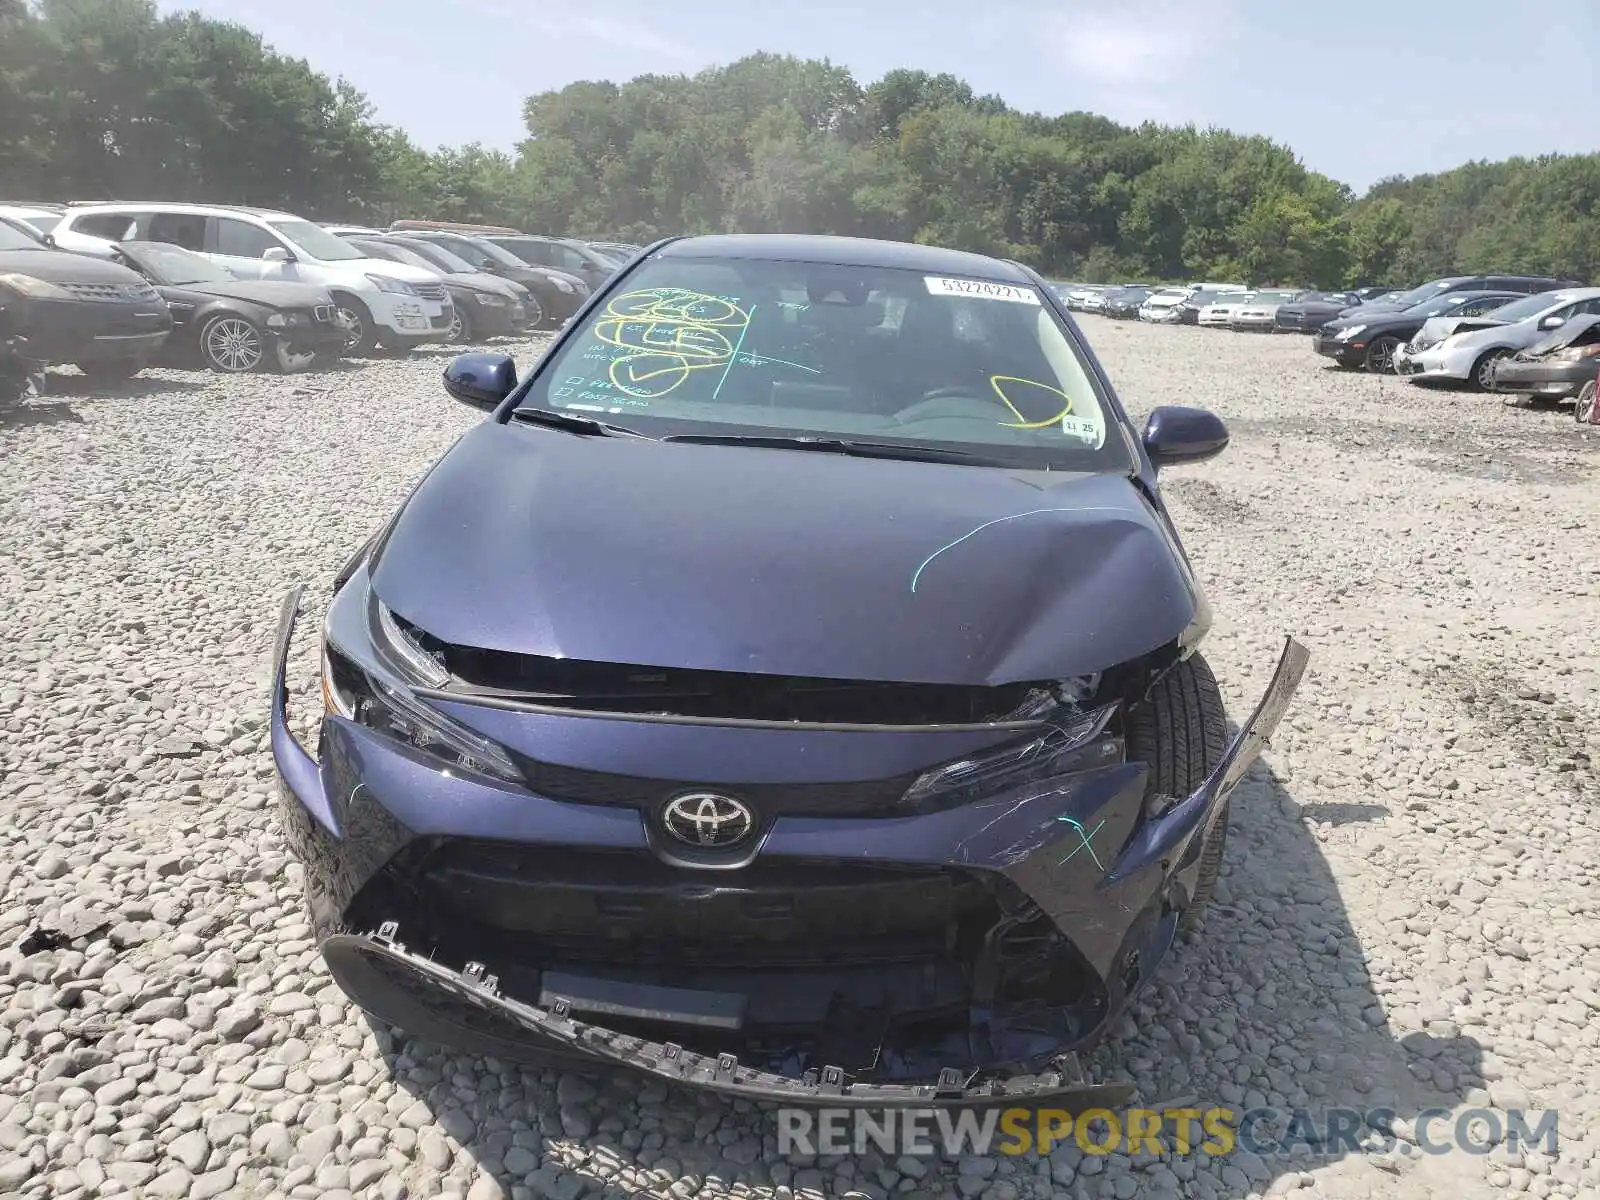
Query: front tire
1380, 355
361, 331
1482, 375
232, 345
461, 330
1181, 731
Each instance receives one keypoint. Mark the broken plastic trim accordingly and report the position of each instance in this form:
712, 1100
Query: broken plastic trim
1067, 1086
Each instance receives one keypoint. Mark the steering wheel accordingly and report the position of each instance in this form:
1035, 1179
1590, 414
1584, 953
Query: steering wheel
952, 403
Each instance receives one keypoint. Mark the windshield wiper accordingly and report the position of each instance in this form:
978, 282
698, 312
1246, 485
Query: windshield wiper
572, 424
842, 446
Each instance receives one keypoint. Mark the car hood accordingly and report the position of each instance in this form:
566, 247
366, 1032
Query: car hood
1486, 331
482, 281
267, 293
63, 266
624, 550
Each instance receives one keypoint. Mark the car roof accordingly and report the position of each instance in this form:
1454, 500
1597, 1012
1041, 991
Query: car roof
844, 252
198, 210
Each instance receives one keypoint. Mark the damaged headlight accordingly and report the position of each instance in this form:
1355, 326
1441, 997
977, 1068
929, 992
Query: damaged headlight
1041, 755
387, 706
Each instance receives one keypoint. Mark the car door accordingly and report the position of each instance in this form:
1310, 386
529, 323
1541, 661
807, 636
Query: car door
238, 247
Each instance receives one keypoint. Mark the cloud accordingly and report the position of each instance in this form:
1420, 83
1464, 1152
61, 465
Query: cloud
1131, 60
619, 33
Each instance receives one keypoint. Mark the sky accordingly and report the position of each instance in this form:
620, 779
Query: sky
1359, 91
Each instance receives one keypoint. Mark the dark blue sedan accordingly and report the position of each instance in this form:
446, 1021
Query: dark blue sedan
791, 689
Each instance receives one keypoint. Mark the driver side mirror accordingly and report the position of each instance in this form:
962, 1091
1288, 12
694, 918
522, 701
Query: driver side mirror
277, 254
1176, 434
1554, 321
480, 380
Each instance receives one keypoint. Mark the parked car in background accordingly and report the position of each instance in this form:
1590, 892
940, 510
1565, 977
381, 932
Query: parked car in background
558, 293
563, 254
1161, 307
1368, 295
1523, 285
1188, 310
1557, 366
617, 250
235, 325
1090, 298
41, 218
483, 305
73, 308
1371, 338
1219, 313
379, 302
1310, 311
1123, 303
345, 231
1260, 312
1468, 355
467, 227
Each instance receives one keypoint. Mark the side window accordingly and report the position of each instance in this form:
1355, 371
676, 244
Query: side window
1588, 308
181, 229
569, 259
241, 239
535, 252
465, 250
116, 227
1476, 308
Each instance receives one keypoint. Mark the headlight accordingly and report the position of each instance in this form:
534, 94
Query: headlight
279, 320
385, 283
387, 706
1041, 755
492, 301
40, 289
563, 286
1346, 334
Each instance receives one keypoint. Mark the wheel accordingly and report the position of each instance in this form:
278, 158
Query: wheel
1380, 355
232, 344
362, 332
533, 312
1181, 731
1483, 370
111, 370
460, 326
1583, 410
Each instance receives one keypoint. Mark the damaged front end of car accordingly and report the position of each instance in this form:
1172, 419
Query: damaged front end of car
850, 894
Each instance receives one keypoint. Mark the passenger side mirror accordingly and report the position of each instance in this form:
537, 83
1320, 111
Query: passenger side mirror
1553, 321
276, 254
480, 380
1176, 434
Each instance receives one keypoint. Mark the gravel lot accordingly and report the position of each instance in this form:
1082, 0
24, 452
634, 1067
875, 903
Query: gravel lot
1409, 915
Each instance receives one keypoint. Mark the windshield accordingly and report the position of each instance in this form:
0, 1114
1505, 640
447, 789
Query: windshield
15, 239
759, 347
439, 258
395, 252
1231, 298
1273, 297
1417, 294
174, 265
316, 241
477, 253
1528, 306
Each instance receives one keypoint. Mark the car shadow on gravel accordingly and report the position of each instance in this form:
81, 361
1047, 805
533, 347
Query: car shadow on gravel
83, 388
1272, 1008
39, 412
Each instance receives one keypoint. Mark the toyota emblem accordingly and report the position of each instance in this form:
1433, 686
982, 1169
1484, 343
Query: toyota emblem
707, 819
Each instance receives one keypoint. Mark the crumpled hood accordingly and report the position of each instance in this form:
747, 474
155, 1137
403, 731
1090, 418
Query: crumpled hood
269, 293
782, 562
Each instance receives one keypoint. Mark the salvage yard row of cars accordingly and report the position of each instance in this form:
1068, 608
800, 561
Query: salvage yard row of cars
112, 288
1528, 335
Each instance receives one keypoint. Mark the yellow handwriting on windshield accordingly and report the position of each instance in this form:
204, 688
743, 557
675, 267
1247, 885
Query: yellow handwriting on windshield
666, 335
1010, 388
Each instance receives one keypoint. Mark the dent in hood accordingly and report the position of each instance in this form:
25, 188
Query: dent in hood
266, 293
781, 562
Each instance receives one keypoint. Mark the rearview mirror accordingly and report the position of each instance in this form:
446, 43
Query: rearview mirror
480, 380
1554, 321
276, 254
1176, 434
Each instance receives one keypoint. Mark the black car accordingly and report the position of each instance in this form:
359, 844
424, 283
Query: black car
1123, 304
1365, 295
592, 266
1521, 285
234, 325
1312, 311
1558, 367
1368, 337
560, 293
775, 698
73, 308
483, 306
1189, 310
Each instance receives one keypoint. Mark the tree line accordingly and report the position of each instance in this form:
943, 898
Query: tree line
109, 98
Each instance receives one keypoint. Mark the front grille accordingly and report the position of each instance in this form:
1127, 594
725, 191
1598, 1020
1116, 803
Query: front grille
116, 293
429, 291
324, 312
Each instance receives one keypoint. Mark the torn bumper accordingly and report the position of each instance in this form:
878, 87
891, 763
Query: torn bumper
1077, 849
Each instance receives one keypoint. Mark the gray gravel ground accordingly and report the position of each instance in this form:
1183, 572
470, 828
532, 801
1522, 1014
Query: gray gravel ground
1408, 916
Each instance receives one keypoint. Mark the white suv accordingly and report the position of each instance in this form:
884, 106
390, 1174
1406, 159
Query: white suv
393, 303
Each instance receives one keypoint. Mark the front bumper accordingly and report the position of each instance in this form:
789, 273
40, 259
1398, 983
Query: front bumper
1075, 849
1346, 354
1552, 380
1434, 363
70, 331
409, 320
